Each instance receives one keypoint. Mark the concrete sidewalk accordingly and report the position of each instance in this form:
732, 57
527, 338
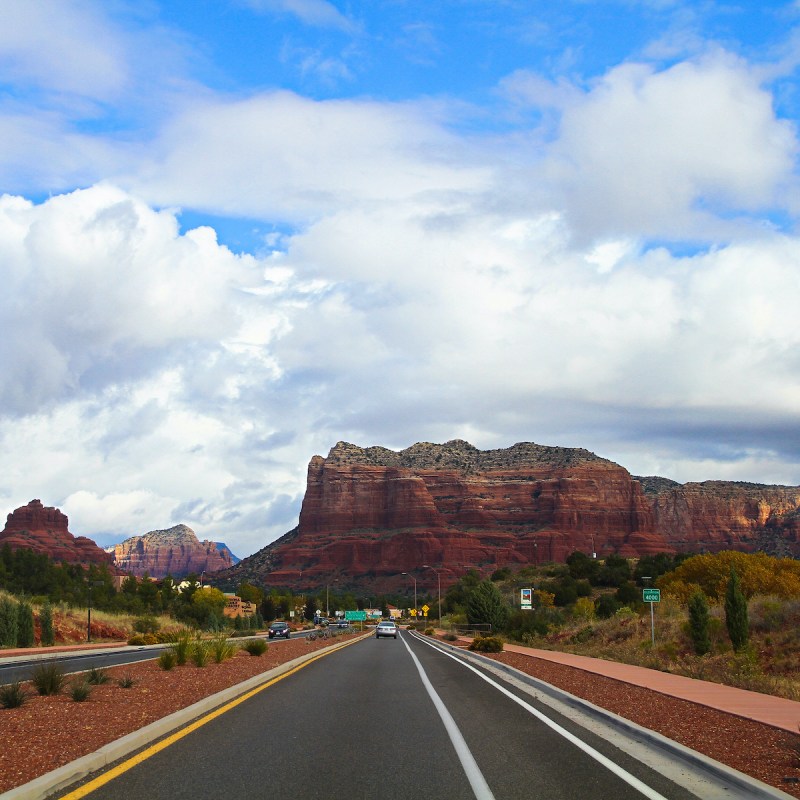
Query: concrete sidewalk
774, 711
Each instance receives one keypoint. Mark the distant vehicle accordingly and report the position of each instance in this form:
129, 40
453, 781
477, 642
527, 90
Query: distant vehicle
386, 629
279, 629
342, 623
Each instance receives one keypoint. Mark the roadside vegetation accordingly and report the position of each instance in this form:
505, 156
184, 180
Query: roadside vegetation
728, 617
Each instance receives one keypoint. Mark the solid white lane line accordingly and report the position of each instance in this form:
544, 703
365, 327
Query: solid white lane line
471, 769
626, 776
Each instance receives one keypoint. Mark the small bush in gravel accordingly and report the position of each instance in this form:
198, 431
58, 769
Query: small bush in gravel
97, 675
126, 682
450, 637
221, 649
256, 647
13, 695
199, 653
181, 648
429, 632
487, 644
167, 660
48, 678
79, 690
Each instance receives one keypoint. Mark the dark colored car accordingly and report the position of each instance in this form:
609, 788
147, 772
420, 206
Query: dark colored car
279, 629
343, 623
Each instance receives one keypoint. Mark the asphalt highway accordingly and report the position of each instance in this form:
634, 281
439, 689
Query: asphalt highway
388, 719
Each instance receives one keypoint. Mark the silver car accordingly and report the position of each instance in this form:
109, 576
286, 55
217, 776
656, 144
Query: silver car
386, 629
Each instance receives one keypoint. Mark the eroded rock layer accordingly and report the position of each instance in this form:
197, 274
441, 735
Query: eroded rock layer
370, 514
44, 529
175, 551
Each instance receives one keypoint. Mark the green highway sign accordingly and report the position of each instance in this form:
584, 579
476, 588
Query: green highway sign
355, 616
651, 595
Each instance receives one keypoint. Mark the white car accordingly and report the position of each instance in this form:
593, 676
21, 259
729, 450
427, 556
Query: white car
386, 629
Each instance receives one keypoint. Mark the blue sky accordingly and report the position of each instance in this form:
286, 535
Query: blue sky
235, 233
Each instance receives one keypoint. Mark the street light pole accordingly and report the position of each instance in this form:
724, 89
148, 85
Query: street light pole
415, 591
439, 587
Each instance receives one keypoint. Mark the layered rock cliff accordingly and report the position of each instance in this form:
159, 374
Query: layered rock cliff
45, 529
176, 551
370, 514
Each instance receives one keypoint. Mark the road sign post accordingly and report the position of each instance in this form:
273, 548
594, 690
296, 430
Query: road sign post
652, 596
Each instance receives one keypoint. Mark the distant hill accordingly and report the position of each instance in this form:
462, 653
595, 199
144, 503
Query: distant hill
175, 551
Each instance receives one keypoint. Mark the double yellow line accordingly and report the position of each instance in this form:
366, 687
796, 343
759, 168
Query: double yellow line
115, 772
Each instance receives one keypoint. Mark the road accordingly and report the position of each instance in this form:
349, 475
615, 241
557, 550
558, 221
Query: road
394, 719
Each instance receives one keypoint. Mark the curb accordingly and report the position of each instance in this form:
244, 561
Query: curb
75, 771
752, 787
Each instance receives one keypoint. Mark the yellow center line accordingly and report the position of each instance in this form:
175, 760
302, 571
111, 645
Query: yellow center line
115, 772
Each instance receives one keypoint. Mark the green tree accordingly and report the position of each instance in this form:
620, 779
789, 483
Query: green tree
606, 606
47, 634
250, 593
455, 599
8, 622
736, 613
485, 605
581, 566
24, 625
698, 623
268, 608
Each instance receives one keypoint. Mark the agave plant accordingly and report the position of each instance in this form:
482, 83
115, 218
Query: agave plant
13, 695
48, 678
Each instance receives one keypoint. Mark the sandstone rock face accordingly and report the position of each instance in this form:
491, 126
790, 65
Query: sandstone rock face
370, 514
175, 551
45, 529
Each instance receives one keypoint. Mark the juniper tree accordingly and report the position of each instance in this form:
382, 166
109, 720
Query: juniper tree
25, 628
9, 616
698, 623
485, 605
48, 638
736, 613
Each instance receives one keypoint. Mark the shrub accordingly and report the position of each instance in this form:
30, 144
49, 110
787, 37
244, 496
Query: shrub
24, 625
221, 649
146, 624
199, 653
450, 637
429, 631
606, 606
181, 648
583, 635
256, 647
48, 678
167, 659
47, 637
487, 644
97, 675
13, 695
126, 682
79, 690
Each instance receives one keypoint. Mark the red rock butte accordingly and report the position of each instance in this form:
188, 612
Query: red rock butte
175, 551
370, 514
45, 529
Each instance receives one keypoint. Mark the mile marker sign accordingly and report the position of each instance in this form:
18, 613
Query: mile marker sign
651, 595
